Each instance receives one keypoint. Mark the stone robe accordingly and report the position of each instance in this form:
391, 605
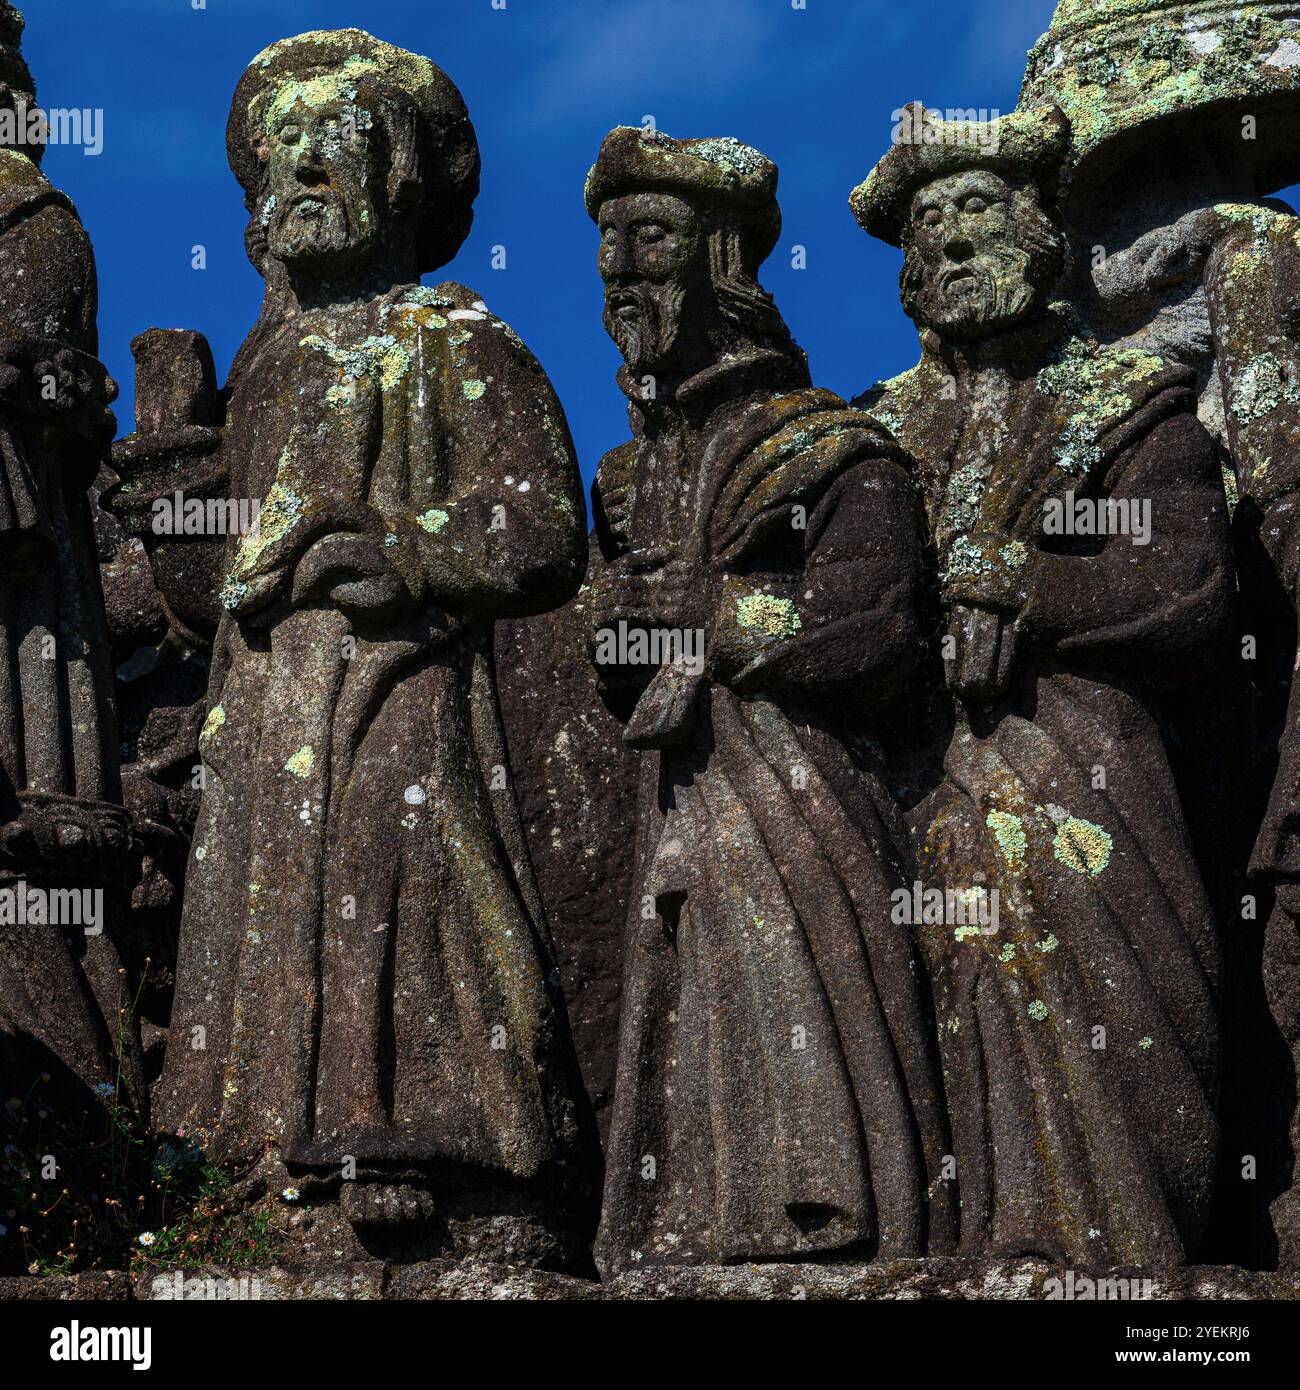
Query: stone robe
1081, 1040
362, 945
61, 997
777, 1095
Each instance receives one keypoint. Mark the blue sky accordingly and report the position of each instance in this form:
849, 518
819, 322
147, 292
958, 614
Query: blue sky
545, 80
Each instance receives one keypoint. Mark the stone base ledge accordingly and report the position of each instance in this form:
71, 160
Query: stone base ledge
1004, 1280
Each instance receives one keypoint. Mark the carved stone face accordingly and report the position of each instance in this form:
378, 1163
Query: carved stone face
654, 262
324, 173
972, 266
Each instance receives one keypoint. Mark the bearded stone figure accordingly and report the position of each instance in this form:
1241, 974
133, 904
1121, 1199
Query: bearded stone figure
66, 1037
1184, 117
777, 1092
366, 999
1080, 1040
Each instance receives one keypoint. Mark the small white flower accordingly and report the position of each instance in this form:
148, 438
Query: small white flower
147, 1238
290, 1194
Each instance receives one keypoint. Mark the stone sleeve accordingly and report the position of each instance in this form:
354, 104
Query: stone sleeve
1164, 610
845, 623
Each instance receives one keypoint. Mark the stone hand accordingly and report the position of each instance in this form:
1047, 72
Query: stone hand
983, 645
351, 570
989, 571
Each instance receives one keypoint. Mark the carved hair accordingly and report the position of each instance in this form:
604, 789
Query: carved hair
743, 303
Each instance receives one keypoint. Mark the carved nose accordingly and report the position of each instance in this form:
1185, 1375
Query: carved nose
956, 246
310, 170
616, 262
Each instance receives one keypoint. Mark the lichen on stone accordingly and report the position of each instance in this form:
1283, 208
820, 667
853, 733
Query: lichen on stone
1082, 846
775, 616
1009, 834
302, 762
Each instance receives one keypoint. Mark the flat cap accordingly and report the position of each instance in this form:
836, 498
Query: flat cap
718, 170
1027, 144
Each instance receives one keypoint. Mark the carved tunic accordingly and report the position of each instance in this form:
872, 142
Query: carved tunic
774, 1064
1080, 1042
362, 944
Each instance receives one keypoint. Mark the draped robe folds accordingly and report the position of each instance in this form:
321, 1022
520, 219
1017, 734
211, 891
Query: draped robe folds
777, 1092
363, 954
60, 990
1081, 1040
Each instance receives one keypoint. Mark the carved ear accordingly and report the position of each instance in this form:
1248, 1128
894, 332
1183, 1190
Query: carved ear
404, 180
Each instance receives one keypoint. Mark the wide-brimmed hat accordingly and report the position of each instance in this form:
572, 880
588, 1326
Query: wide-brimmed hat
1122, 70
1026, 145
447, 147
719, 171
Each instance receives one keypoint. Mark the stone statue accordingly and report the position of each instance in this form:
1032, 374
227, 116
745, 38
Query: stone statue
777, 1094
65, 841
1184, 120
366, 995
1083, 561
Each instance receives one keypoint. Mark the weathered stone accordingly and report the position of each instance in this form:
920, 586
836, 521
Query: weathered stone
106, 1287
940, 1279
576, 782
757, 604
367, 1002
67, 1035
1183, 122
1083, 564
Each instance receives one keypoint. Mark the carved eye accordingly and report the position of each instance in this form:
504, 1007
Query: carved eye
650, 233
975, 204
931, 217
290, 135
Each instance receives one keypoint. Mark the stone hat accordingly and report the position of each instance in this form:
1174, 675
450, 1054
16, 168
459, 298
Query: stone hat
1116, 67
323, 60
1026, 144
719, 170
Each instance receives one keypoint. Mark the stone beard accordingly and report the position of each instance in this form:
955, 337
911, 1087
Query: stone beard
964, 289
644, 321
324, 175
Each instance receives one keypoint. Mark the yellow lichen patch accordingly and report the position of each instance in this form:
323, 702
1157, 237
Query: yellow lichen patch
380, 357
1082, 846
216, 718
472, 390
1009, 832
775, 616
432, 521
302, 762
